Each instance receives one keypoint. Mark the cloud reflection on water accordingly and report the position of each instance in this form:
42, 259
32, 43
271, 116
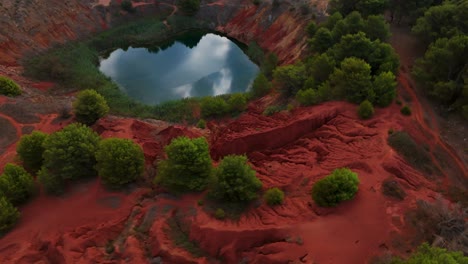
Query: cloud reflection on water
215, 66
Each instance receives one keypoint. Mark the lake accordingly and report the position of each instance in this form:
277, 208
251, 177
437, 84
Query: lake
192, 65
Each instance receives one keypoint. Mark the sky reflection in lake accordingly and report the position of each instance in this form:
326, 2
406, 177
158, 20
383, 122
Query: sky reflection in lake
214, 66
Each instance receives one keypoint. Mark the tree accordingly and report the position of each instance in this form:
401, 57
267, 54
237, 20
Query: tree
408, 10
235, 180
269, 65
68, 155
353, 80
366, 110
214, 107
340, 185
190, 7
261, 86
30, 150
119, 161
187, 167
9, 215
308, 97
372, 7
441, 69
322, 40
429, 254
443, 21
384, 86
89, 107
311, 28
377, 28
16, 184
8, 87
320, 67
274, 196
127, 6
353, 45
291, 78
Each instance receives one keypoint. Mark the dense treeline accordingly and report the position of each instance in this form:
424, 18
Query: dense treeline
443, 71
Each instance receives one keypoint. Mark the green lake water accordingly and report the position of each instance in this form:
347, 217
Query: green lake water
192, 65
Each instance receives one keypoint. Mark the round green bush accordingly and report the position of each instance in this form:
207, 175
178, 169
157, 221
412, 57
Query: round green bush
9, 215
405, 110
89, 106
8, 87
187, 167
69, 154
366, 110
340, 185
214, 107
261, 86
119, 161
237, 102
201, 124
16, 184
274, 196
235, 180
30, 150
220, 214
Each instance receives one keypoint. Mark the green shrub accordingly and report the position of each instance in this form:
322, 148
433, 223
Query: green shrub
8, 87
89, 107
187, 167
237, 102
429, 254
291, 78
127, 6
256, 2
119, 161
214, 107
219, 214
274, 196
69, 154
405, 110
189, 7
16, 184
261, 86
307, 97
201, 124
366, 110
9, 215
270, 110
30, 150
340, 185
235, 180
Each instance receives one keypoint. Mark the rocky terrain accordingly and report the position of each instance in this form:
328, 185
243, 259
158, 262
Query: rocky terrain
290, 150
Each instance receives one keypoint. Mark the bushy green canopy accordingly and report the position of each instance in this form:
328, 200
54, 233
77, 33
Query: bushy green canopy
16, 184
235, 180
30, 150
9, 215
68, 155
119, 161
340, 185
187, 167
8, 87
89, 107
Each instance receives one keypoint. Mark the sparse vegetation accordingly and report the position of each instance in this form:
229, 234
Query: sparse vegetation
178, 231
30, 149
274, 196
119, 161
412, 152
190, 7
405, 110
127, 6
201, 124
431, 254
8, 87
219, 214
340, 185
393, 189
260, 86
187, 167
272, 109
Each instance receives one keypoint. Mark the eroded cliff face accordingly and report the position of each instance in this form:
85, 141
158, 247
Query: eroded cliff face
31, 26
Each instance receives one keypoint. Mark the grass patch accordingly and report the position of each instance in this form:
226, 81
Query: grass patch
414, 153
391, 188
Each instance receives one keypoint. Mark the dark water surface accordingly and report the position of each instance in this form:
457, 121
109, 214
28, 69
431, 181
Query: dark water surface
193, 65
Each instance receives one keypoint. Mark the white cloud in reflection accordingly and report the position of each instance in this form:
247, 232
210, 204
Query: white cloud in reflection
184, 91
223, 84
109, 65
